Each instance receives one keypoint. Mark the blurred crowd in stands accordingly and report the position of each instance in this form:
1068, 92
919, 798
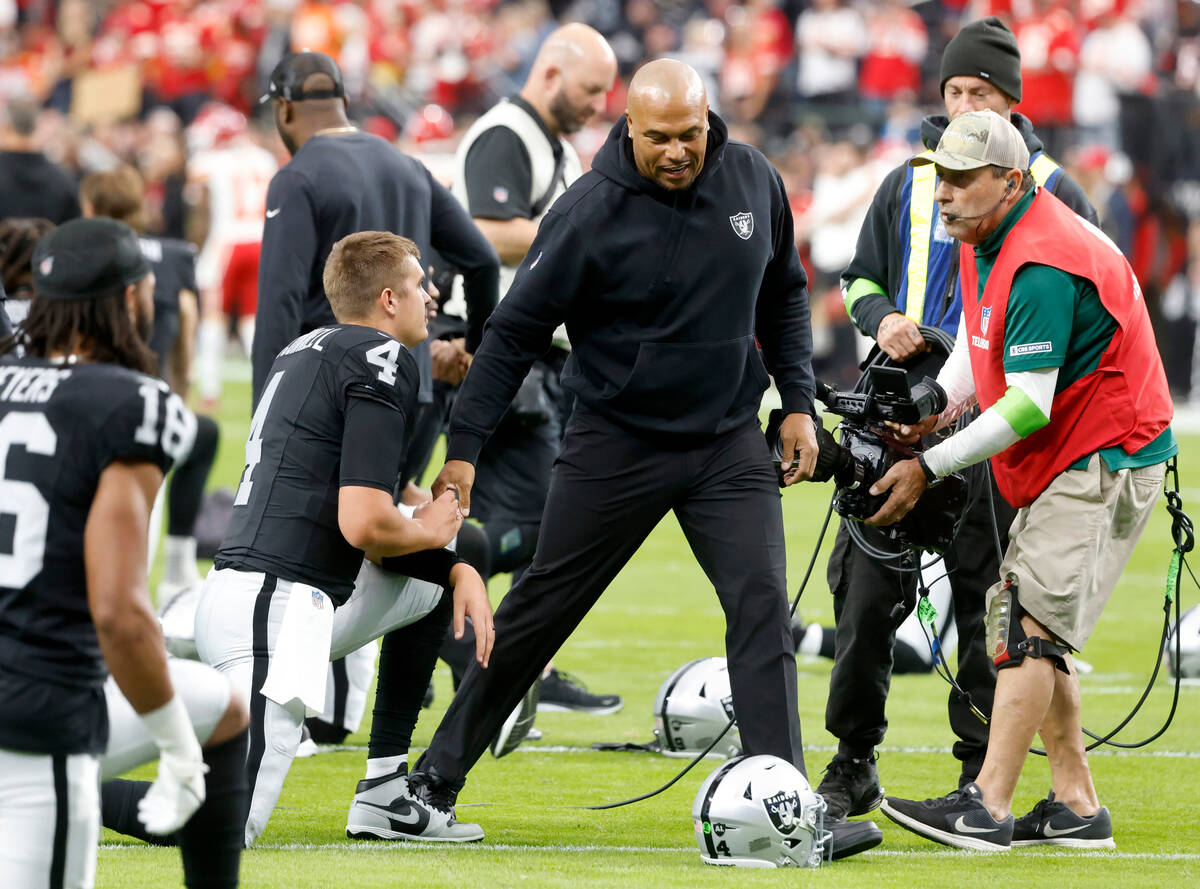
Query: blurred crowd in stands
833, 91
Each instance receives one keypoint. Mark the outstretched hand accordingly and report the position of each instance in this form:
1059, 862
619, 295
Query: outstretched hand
459, 476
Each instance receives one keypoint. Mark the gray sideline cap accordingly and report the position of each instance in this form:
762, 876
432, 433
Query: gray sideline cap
87, 259
287, 80
978, 139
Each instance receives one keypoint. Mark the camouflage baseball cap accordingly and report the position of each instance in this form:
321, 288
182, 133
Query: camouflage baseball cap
978, 139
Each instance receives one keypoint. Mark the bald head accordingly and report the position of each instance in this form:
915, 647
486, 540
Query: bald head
666, 81
668, 122
571, 76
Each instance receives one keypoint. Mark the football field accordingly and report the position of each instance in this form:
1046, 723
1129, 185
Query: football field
661, 613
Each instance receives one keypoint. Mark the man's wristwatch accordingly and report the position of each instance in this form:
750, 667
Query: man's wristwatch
930, 476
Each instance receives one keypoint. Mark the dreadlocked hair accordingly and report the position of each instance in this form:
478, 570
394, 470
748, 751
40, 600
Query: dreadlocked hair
18, 237
101, 326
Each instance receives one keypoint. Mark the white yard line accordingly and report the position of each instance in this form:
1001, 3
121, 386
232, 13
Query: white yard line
557, 849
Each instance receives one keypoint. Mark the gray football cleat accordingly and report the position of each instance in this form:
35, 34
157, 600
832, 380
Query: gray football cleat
387, 808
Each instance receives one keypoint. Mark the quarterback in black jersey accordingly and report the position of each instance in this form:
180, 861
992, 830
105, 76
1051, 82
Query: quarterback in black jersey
84, 441
290, 587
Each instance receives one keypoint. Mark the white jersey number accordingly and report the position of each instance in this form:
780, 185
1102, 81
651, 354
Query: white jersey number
385, 357
254, 442
33, 432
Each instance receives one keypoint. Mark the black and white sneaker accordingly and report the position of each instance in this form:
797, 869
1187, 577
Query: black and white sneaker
958, 819
563, 693
516, 727
387, 808
1052, 823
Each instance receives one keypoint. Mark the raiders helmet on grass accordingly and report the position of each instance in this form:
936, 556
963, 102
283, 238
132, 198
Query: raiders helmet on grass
1188, 629
693, 707
759, 811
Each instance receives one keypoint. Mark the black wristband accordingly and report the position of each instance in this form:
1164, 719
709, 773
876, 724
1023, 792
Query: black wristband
930, 476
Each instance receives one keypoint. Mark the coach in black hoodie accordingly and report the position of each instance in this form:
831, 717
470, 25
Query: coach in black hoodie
673, 265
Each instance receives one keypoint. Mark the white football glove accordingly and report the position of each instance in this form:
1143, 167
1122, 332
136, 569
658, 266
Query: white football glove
178, 791
174, 796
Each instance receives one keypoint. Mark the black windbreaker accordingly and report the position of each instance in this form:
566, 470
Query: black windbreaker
677, 303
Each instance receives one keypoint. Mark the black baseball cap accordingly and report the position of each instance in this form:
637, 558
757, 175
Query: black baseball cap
87, 259
287, 80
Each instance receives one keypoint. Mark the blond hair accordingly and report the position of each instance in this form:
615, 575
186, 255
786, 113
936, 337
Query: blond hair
360, 266
118, 194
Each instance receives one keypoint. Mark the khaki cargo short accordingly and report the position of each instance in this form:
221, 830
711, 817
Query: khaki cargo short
1069, 547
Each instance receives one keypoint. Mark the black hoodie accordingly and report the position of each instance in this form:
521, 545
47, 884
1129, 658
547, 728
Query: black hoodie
881, 256
677, 303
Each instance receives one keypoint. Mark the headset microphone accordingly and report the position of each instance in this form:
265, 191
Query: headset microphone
954, 217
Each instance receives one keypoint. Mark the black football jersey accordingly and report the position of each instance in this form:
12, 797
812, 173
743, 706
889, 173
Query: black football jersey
174, 264
60, 428
285, 511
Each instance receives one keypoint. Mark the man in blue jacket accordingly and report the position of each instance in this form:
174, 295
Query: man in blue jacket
673, 265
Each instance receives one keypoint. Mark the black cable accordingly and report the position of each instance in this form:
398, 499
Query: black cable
1183, 536
691, 765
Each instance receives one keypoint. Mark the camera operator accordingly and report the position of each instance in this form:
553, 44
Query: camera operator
904, 274
1055, 344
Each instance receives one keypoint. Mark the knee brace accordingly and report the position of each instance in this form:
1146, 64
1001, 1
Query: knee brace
1006, 638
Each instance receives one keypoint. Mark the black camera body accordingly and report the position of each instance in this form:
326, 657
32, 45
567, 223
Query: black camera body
868, 449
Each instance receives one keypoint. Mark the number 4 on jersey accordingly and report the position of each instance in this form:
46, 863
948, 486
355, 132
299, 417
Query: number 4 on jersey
254, 442
385, 356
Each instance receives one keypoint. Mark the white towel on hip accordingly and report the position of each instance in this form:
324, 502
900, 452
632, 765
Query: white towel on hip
300, 661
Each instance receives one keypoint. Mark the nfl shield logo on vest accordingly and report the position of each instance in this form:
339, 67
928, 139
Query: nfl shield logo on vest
985, 315
743, 225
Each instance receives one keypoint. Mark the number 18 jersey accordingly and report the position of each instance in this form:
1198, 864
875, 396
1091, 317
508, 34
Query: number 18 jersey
61, 426
285, 511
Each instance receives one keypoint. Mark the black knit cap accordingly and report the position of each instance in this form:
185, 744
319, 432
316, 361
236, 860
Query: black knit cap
287, 80
87, 259
984, 49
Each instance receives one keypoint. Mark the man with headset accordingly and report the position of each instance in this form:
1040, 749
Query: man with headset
905, 274
1055, 345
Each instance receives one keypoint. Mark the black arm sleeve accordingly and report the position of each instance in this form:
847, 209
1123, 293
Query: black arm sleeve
432, 565
783, 323
289, 246
519, 332
372, 443
499, 176
460, 242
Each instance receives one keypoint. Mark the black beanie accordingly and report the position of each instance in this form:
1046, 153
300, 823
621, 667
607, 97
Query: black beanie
984, 49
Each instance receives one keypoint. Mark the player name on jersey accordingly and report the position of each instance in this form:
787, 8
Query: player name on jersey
30, 385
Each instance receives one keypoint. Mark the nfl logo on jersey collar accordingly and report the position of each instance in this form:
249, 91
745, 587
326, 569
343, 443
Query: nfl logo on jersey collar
743, 224
985, 315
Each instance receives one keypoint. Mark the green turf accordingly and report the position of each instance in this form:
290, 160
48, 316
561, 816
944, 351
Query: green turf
658, 614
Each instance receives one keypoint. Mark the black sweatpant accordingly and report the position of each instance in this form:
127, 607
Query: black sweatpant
608, 490
869, 604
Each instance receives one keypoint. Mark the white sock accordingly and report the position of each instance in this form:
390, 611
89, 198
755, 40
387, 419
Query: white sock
180, 555
210, 348
811, 643
385, 765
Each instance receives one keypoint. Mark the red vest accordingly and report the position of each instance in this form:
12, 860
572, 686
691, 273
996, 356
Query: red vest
1124, 401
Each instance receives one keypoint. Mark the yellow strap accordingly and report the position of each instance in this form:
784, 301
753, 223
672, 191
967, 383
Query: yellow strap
920, 215
1043, 168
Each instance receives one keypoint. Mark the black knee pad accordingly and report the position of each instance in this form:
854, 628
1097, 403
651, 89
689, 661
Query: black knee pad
1009, 643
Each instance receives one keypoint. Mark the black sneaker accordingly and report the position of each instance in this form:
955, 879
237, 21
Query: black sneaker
516, 727
1052, 823
850, 787
851, 837
958, 819
563, 693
